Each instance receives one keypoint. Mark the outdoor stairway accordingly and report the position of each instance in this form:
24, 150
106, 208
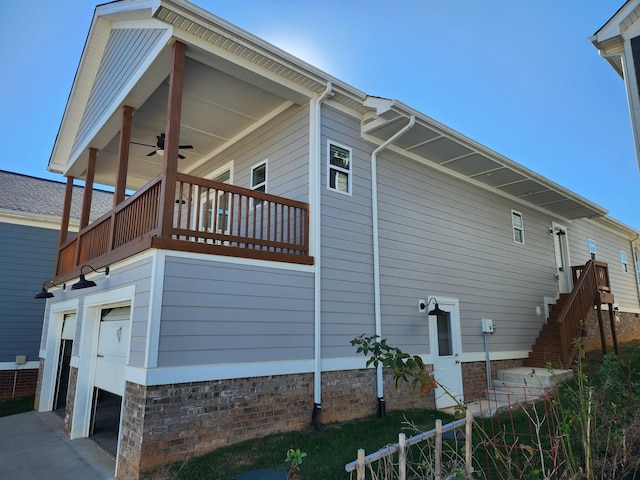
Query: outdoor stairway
547, 347
516, 386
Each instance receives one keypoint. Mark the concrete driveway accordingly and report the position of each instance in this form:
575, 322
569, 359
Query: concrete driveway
33, 446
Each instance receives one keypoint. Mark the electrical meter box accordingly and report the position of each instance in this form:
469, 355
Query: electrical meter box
487, 325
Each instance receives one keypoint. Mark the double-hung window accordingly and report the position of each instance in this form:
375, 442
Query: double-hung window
623, 261
259, 180
339, 170
518, 227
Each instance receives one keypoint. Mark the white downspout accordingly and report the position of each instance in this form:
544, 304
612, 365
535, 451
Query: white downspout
376, 248
315, 154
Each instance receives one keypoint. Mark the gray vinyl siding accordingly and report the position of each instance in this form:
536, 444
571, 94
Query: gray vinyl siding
347, 250
608, 246
125, 51
217, 313
440, 236
284, 141
27, 259
136, 273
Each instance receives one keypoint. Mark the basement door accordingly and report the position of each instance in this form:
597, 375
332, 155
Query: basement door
113, 349
446, 346
561, 249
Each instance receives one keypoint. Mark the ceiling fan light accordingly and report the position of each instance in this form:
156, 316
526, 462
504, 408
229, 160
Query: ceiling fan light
160, 152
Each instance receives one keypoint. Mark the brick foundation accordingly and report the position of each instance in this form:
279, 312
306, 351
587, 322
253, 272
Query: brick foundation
36, 402
71, 398
474, 375
169, 423
627, 328
18, 383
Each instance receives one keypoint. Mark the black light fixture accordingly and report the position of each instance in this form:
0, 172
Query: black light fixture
83, 282
436, 309
44, 293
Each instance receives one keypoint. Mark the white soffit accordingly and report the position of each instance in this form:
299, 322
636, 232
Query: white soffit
454, 152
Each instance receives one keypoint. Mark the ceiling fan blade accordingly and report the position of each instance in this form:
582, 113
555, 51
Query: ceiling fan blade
185, 147
143, 144
181, 156
151, 154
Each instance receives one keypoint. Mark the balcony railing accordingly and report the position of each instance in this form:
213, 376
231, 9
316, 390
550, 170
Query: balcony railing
208, 217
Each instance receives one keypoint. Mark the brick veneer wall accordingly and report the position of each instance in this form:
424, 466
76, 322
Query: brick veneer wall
474, 375
18, 383
36, 402
169, 423
627, 328
71, 399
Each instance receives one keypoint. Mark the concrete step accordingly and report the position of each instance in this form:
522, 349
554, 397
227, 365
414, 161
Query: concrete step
515, 386
534, 377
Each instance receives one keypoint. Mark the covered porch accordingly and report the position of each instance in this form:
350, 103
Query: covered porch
166, 200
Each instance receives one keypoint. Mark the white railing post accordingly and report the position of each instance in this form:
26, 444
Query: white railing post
438, 452
361, 465
468, 445
402, 457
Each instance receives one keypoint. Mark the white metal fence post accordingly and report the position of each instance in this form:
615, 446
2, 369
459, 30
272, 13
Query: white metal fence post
438, 452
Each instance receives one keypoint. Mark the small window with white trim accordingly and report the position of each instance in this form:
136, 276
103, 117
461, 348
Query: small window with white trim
623, 261
339, 168
259, 180
592, 248
518, 227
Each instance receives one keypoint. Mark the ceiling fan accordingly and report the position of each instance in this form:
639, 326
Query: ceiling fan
159, 147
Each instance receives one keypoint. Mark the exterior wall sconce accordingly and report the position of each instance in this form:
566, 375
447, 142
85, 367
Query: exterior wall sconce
436, 309
83, 282
44, 293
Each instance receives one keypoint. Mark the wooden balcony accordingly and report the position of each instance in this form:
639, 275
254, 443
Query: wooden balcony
208, 217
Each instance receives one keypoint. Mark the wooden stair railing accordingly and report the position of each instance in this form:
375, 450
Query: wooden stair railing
556, 344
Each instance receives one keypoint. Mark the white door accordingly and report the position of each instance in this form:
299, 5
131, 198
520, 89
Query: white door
215, 210
561, 248
446, 347
113, 348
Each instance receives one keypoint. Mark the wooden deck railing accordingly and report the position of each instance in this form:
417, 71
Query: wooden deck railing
589, 281
209, 217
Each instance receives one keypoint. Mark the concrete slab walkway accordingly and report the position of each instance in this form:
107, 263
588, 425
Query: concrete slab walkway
33, 446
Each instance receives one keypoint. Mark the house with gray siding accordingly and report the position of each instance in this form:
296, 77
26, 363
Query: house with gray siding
265, 214
30, 212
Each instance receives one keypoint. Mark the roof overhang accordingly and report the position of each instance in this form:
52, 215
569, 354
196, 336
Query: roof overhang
446, 150
609, 39
230, 52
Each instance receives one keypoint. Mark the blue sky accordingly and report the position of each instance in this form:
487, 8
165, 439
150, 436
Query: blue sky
520, 77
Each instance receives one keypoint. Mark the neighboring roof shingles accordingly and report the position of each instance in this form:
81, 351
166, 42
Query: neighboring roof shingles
39, 196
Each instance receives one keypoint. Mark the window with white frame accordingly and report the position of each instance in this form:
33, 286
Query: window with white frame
623, 261
518, 227
339, 168
259, 180
636, 260
592, 248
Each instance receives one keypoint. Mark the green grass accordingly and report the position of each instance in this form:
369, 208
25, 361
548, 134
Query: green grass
327, 450
16, 405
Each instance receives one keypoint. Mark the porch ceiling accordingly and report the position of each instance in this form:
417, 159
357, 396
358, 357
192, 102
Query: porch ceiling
461, 156
216, 108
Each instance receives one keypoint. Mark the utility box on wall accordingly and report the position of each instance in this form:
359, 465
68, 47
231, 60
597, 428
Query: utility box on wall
487, 325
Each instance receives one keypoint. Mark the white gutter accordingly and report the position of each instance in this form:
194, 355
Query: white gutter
315, 154
376, 246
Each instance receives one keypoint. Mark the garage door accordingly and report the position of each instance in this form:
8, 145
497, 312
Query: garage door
113, 346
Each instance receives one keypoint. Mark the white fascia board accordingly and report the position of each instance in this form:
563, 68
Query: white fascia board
79, 95
612, 27
204, 373
118, 101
